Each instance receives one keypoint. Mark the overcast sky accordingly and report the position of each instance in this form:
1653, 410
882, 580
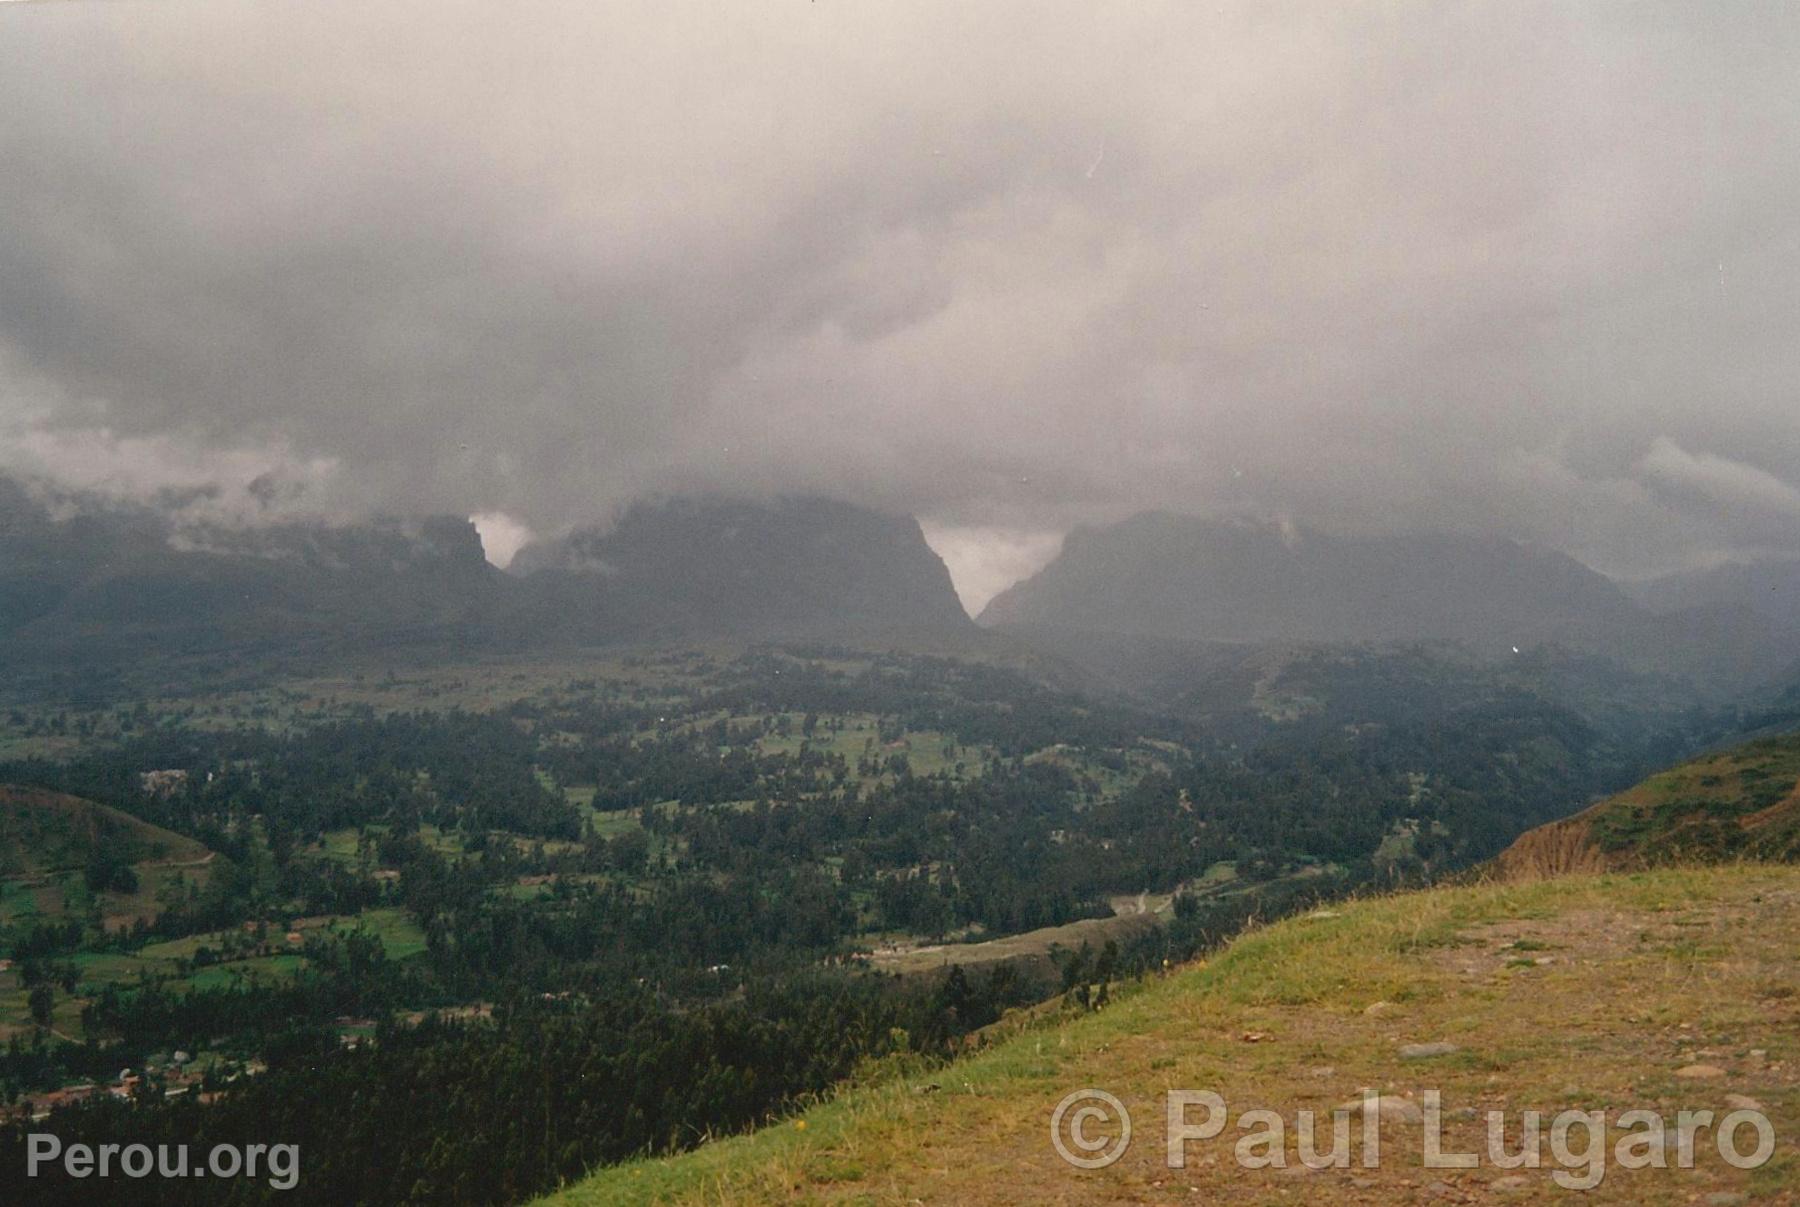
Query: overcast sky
1516, 267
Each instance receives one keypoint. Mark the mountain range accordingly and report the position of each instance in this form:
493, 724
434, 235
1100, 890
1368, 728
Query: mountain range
1767, 588
1160, 578
1156, 590
109, 584
1162, 575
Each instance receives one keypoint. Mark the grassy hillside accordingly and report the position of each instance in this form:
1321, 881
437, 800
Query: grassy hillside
1738, 803
43, 832
1596, 992
46, 842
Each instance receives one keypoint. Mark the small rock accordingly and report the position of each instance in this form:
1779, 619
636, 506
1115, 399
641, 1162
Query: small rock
1725, 1198
1699, 1072
1377, 1009
1442, 1190
1426, 1051
1742, 1102
1510, 1183
1543, 960
1323, 1071
1388, 1108
1364, 1183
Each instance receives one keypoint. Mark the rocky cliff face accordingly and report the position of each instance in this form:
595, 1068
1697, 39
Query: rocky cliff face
791, 567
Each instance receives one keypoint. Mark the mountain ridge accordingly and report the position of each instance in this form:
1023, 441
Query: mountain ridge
709, 564
1167, 577
1741, 802
121, 583
1240, 580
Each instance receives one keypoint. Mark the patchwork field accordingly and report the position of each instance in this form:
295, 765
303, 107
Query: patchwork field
206, 961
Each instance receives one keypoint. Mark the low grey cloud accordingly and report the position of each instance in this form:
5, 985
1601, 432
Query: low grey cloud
1526, 268
1744, 489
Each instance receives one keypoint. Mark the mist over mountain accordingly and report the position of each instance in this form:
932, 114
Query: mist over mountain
1005, 270
85, 580
108, 583
121, 582
494, 506
1163, 575
792, 567
1768, 588
1180, 578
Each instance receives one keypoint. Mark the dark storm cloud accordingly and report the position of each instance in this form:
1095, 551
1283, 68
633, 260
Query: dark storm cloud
1516, 267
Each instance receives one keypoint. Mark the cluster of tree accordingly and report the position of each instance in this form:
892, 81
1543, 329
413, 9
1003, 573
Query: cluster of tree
500, 1111
473, 771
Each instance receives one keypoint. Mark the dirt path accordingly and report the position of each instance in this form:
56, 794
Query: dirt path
1033, 945
182, 863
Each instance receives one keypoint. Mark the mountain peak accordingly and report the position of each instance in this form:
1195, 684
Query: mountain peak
796, 564
124, 582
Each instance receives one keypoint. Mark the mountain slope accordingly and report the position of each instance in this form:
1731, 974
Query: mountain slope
1160, 575
1768, 588
795, 566
1166, 578
43, 832
1641, 977
62, 856
1742, 803
118, 584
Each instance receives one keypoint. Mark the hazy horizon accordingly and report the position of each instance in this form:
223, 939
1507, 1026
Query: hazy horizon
1520, 269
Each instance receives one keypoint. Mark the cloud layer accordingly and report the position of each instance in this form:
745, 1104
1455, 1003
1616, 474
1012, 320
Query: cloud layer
1010, 267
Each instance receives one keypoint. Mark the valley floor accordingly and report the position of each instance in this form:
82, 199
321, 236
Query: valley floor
1666, 991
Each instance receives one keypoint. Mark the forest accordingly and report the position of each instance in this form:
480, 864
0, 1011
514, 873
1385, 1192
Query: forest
611, 916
